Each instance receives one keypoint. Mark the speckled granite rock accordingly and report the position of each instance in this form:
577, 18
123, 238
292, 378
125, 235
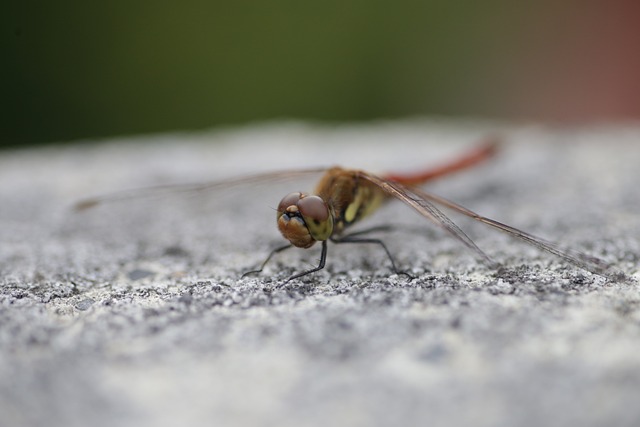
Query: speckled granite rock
134, 314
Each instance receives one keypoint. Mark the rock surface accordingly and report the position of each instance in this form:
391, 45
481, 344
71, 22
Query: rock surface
133, 313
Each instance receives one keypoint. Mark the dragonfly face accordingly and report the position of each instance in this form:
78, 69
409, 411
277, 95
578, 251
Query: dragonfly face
304, 219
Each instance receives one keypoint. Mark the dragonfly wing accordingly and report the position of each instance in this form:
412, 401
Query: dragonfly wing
427, 209
161, 190
582, 260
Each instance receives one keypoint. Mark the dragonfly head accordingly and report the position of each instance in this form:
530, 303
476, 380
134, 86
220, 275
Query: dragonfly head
304, 219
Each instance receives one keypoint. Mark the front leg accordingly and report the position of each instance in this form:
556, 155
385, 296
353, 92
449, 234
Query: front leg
323, 259
273, 252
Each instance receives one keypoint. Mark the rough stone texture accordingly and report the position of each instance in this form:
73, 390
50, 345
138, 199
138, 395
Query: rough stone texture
133, 313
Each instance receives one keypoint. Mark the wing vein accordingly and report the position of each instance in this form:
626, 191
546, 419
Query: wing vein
427, 209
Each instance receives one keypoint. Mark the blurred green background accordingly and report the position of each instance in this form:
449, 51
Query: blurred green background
75, 70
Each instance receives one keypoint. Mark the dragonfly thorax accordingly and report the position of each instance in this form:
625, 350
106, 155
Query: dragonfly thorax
304, 219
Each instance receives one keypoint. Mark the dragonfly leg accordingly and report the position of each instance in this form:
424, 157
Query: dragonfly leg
323, 259
271, 254
351, 239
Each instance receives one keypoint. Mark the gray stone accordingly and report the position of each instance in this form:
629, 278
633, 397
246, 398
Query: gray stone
537, 341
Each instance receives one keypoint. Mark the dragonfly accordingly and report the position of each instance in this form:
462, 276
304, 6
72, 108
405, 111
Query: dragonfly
343, 197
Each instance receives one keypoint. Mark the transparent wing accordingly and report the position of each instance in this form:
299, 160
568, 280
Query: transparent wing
423, 202
425, 208
582, 260
161, 190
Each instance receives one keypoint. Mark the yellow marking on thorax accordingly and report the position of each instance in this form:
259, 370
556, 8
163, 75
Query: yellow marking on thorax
350, 199
366, 200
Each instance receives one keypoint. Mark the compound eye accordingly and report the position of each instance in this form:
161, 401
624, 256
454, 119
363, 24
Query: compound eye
314, 208
287, 201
